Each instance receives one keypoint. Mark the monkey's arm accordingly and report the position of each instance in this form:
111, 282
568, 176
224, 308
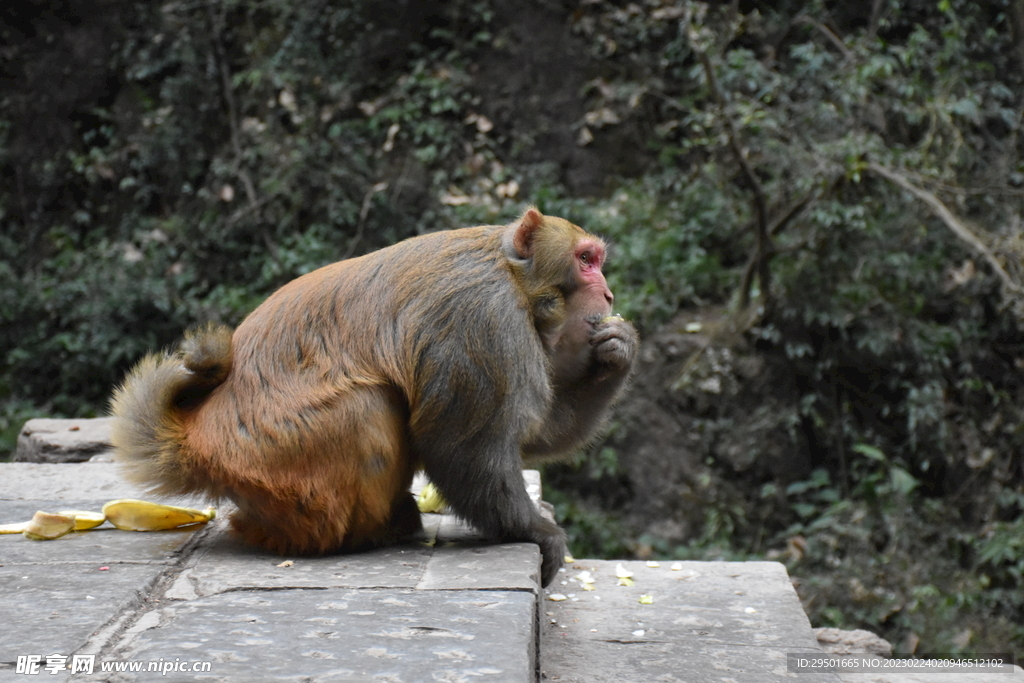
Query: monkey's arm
581, 402
481, 479
468, 420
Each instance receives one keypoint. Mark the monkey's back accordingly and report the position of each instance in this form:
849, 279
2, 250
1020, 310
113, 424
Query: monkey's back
439, 305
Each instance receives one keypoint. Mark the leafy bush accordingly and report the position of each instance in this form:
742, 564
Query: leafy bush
224, 149
879, 158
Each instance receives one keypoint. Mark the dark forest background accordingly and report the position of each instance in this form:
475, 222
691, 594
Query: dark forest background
815, 210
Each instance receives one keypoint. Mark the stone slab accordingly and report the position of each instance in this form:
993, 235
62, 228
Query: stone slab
106, 591
60, 592
225, 564
839, 641
55, 608
864, 644
474, 565
90, 481
48, 440
709, 621
1017, 676
448, 606
451, 557
389, 635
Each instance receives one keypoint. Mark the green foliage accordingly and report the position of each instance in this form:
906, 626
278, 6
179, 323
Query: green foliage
592, 532
863, 561
245, 144
902, 343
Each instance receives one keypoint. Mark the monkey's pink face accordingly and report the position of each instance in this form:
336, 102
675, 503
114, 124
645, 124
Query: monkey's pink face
593, 298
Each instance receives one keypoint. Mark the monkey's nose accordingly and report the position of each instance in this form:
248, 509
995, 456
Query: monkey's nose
609, 297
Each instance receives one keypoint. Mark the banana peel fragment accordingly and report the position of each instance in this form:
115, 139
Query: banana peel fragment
46, 521
46, 526
85, 519
141, 515
15, 528
430, 499
124, 513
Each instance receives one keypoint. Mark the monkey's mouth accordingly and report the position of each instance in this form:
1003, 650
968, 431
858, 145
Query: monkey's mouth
596, 319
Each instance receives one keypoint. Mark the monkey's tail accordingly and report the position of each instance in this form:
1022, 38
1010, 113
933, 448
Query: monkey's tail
151, 409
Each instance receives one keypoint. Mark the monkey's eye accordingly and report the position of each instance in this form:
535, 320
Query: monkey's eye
590, 257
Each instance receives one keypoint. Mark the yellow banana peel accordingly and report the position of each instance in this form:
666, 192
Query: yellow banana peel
141, 515
125, 513
430, 499
84, 519
46, 526
15, 528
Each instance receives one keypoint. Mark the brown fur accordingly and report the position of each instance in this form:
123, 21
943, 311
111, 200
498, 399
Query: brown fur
436, 352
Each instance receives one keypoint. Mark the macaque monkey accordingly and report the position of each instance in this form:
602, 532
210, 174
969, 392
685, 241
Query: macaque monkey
464, 353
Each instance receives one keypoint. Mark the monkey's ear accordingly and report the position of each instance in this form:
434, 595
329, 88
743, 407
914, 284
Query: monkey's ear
526, 229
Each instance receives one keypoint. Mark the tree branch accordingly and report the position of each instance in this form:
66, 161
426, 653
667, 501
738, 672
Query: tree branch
952, 222
229, 99
876, 17
763, 254
828, 33
777, 225
1016, 17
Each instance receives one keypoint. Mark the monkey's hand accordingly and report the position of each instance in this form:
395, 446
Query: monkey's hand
553, 549
614, 343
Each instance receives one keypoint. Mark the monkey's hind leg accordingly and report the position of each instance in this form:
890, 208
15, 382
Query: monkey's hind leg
342, 484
